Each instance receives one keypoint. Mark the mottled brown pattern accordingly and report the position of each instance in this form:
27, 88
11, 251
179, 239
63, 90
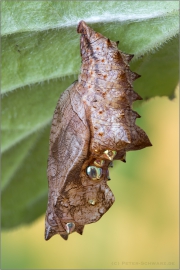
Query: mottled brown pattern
93, 115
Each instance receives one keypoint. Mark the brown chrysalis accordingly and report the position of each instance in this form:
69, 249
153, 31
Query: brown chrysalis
93, 124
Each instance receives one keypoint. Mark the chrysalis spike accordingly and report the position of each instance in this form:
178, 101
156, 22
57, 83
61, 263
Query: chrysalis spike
138, 97
108, 177
80, 229
135, 76
64, 236
137, 114
49, 233
127, 57
111, 165
130, 57
132, 95
124, 158
109, 43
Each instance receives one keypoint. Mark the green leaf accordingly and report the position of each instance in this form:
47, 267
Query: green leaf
41, 58
14, 158
154, 75
24, 198
32, 54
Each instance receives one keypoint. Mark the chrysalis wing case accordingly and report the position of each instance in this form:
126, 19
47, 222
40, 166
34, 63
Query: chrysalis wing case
93, 124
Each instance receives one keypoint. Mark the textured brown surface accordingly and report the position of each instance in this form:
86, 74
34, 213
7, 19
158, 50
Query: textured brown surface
93, 115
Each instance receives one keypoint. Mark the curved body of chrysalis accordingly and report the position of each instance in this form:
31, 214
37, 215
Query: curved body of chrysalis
93, 124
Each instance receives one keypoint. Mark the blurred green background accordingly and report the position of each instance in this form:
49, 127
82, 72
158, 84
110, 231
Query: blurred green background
40, 59
140, 231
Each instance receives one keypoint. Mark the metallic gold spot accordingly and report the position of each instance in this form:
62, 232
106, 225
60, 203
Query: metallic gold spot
110, 154
99, 162
92, 202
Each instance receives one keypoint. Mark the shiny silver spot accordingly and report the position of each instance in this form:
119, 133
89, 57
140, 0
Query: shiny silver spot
99, 162
110, 154
70, 227
94, 173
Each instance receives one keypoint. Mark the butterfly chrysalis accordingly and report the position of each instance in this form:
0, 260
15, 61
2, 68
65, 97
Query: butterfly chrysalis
93, 124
